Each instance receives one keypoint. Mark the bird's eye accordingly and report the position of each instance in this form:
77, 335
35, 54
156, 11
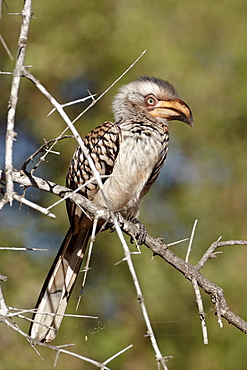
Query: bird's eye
150, 100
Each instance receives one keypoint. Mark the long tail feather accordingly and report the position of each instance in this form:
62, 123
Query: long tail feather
59, 283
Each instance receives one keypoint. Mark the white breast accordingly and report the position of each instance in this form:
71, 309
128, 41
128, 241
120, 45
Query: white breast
137, 157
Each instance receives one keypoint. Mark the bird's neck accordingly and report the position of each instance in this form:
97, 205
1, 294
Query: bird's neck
143, 120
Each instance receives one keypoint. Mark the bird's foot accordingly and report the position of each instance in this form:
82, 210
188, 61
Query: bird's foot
141, 234
120, 220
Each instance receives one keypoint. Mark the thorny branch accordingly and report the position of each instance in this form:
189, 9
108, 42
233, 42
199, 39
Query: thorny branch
44, 148
211, 251
161, 360
10, 133
160, 249
200, 310
4, 317
6, 313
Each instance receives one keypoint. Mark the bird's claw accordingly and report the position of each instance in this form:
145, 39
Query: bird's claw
141, 234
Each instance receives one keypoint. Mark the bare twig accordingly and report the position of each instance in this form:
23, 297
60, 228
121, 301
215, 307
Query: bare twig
191, 240
3, 307
177, 242
117, 354
6, 73
5, 46
22, 249
159, 358
82, 100
10, 133
1, 5
86, 268
86, 359
40, 150
210, 253
20, 314
200, 310
106, 91
218, 310
33, 205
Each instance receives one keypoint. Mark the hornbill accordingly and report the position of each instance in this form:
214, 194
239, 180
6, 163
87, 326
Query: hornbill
129, 154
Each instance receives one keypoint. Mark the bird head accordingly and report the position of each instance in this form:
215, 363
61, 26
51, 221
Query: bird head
152, 96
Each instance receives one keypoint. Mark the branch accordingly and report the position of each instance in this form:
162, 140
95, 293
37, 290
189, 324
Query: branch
150, 333
42, 148
33, 205
200, 310
10, 133
215, 292
58, 349
190, 272
5, 45
7, 314
210, 253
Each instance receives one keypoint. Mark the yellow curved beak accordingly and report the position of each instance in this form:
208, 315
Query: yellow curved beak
173, 109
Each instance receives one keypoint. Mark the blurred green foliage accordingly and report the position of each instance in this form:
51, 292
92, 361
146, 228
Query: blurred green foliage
73, 46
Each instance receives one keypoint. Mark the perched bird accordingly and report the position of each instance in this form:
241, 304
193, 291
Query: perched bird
129, 154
